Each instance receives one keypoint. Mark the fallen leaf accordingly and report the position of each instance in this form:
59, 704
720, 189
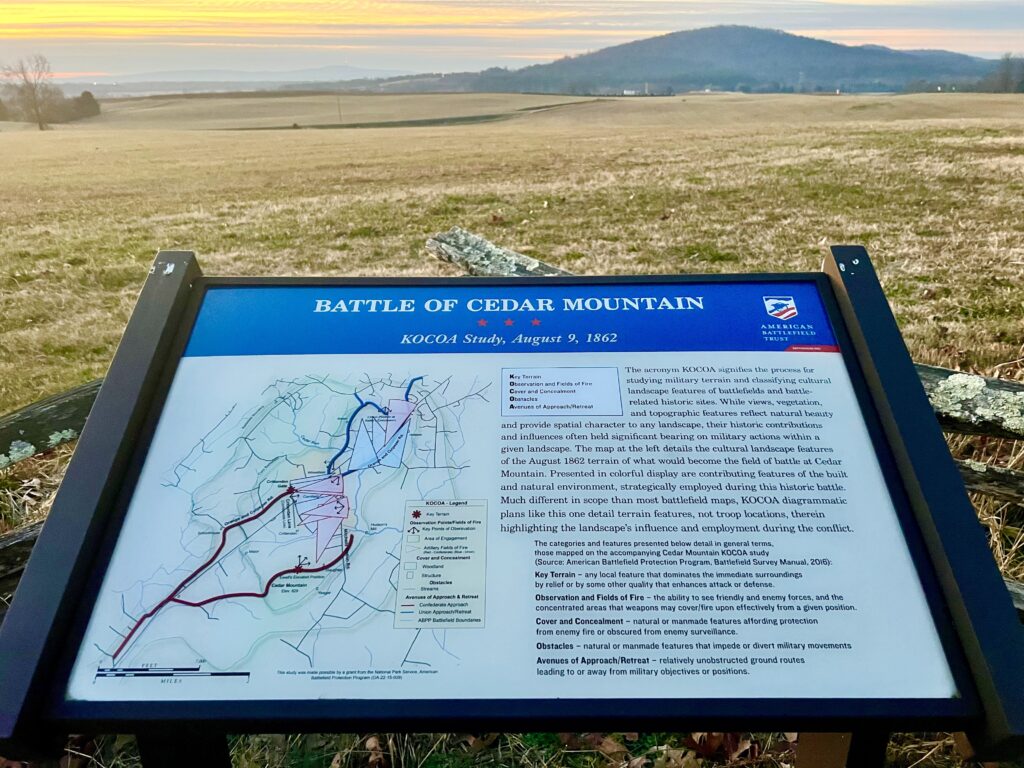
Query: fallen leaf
377, 758
570, 740
705, 744
480, 743
738, 747
607, 746
122, 741
674, 758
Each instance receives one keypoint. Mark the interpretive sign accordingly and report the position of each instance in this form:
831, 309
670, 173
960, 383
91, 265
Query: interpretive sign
552, 503
374, 491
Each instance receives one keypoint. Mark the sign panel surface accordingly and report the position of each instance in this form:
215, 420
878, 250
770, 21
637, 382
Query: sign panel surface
636, 490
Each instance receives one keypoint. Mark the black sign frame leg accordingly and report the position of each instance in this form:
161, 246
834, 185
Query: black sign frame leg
48, 594
979, 604
867, 748
164, 750
859, 749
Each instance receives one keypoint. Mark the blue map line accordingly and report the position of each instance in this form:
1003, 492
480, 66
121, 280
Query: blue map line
348, 431
352, 418
408, 389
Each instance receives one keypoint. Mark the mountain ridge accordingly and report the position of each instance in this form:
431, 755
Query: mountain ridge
727, 57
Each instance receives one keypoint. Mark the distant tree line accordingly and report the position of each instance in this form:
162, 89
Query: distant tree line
29, 96
1008, 76
54, 109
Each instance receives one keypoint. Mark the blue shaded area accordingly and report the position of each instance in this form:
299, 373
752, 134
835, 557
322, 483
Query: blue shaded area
348, 431
281, 320
391, 454
364, 452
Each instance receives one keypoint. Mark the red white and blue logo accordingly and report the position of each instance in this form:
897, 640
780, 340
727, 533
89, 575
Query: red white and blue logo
782, 307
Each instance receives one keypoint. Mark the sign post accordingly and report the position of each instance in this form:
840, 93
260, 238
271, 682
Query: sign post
535, 503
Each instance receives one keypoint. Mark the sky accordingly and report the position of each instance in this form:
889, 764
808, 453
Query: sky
130, 36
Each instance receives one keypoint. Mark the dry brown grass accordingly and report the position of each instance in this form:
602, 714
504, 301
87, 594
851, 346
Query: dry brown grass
692, 184
27, 488
205, 112
930, 184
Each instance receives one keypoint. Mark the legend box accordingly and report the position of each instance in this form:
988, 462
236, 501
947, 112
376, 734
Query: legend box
442, 574
560, 392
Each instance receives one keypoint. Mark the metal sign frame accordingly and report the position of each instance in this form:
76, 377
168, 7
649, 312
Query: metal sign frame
973, 614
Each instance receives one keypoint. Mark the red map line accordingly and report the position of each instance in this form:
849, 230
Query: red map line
223, 540
270, 581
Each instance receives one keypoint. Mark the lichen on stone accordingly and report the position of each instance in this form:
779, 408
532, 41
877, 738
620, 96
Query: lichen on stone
1006, 409
977, 466
19, 450
950, 395
63, 436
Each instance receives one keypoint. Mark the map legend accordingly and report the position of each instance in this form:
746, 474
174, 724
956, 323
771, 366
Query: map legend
560, 392
442, 574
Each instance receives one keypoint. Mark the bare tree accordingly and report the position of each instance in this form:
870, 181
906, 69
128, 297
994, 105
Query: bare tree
28, 81
1004, 75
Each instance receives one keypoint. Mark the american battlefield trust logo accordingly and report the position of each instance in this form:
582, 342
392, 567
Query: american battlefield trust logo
782, 307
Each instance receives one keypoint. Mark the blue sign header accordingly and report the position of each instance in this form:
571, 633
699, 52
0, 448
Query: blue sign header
581, 317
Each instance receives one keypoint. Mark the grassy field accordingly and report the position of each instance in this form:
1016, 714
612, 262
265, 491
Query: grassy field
280, 110
688, 184
931, 184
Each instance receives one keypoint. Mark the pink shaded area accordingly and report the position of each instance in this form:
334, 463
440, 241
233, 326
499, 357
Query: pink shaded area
398, 413
324, 485
331, 506
321, 502
326, 527
328, 518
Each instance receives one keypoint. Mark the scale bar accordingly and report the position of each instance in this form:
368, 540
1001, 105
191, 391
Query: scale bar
163, 672
148, 669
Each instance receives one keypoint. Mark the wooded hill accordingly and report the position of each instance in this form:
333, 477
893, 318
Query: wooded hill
721, 58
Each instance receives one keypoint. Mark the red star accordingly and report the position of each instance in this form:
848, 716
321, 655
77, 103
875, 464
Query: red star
481, 322
510, 321
535, 321
417, 514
